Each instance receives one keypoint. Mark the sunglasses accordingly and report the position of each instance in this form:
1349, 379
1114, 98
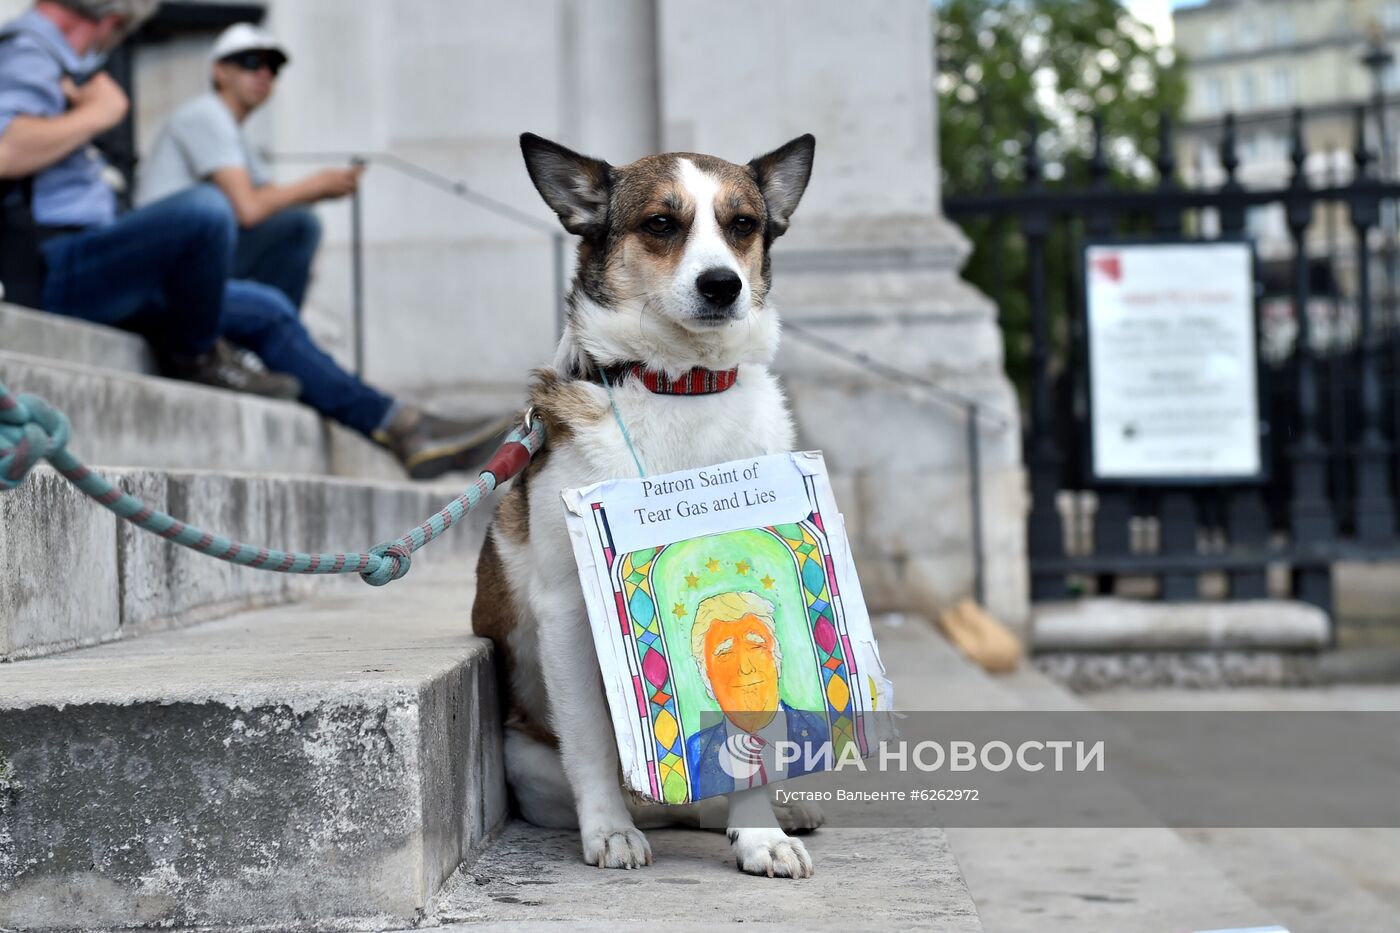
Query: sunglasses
254, 60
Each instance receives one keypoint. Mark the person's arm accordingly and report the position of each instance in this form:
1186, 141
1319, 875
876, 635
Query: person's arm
29, 144
252, 204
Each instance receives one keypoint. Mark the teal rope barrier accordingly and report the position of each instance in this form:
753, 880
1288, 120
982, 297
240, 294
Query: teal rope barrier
32, 431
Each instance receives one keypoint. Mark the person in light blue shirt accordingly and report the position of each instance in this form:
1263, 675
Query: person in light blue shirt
165, 270
39, 77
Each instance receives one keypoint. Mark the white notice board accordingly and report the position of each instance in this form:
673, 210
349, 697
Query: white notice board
1173, 372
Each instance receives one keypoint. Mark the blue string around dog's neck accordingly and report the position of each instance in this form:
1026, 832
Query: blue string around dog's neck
617, 415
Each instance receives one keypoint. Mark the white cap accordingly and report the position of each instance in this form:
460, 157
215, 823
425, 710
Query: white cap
245, 37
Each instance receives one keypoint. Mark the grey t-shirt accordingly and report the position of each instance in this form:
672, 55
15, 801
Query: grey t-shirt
200, 137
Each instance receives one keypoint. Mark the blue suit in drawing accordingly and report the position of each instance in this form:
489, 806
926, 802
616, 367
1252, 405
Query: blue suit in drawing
807, 730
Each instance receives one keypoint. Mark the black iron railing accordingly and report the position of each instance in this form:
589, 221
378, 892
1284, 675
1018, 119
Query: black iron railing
1330, 404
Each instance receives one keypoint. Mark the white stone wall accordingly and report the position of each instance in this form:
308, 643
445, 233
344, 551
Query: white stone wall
739, 77
453, 294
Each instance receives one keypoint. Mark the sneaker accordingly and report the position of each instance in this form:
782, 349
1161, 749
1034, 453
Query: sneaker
223, 368
429, 446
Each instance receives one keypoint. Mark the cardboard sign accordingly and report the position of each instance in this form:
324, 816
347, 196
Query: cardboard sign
729, 624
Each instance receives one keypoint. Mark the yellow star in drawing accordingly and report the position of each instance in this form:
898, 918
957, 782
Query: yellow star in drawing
742, 568
767, 582
678, 611
692, 581
712, 565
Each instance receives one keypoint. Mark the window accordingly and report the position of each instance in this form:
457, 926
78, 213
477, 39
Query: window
1283, 29
1266, 223
1273, 147
1248, 33
1390, 17
1212, 95
1264, 149
1208, 158
1217, 40
1282, 86
1249, 91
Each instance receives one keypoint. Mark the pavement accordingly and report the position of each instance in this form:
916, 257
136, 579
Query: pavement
1312, 880
533, 879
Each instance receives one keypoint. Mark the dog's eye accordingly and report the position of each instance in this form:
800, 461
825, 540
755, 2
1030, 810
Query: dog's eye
660, 224
743, 225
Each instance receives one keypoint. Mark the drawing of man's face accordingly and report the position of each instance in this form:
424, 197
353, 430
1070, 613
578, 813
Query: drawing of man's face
742, 668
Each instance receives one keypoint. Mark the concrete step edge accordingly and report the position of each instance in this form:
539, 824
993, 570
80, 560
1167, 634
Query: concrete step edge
324, 764
148, 421
53, 336
1105, 623
80, 576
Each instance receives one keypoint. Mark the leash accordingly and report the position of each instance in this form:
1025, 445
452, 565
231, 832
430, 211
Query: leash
621, 426
31, 431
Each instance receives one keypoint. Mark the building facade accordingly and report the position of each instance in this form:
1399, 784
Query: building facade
1261, 59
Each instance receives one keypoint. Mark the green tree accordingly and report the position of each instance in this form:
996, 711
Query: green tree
1060, 63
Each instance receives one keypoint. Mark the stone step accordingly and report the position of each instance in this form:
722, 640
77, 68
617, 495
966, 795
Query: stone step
1107, 623
136, 420
76, 575
327, 764
37, 333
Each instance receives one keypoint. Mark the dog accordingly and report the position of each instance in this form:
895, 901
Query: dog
671, 295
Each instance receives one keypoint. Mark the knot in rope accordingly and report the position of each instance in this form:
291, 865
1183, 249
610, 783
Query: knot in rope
30, 430
395, 559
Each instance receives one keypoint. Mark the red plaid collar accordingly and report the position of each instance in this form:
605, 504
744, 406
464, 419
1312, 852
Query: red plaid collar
697, 381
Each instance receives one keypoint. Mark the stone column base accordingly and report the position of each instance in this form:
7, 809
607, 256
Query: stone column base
898, 450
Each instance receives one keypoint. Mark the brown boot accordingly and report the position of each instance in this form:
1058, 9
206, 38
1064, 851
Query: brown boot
429, 446
223, 368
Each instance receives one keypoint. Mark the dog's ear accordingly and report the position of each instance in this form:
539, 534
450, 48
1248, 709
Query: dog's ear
782, 177
574, 185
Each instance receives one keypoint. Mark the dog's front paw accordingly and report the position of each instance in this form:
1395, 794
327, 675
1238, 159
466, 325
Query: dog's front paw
798, 816
616, 848
770, 852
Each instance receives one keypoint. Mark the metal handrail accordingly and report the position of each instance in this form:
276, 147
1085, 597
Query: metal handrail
973, 410
443, 183
437, 180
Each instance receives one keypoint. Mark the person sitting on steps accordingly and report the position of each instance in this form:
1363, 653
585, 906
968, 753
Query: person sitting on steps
164, 270
204, 140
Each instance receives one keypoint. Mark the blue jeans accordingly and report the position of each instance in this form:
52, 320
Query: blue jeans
159, 271
278, 251
163, 271
262, 319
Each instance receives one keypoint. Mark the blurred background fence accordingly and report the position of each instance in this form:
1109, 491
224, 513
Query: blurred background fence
1329, 355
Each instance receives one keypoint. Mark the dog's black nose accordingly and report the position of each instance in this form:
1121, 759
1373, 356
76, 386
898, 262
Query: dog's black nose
719, 287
